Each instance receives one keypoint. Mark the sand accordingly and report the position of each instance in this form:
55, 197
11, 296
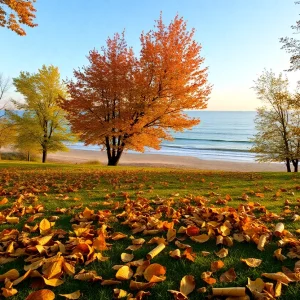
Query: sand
157, 160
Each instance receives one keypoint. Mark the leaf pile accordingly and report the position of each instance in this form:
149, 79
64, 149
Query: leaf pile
171, 227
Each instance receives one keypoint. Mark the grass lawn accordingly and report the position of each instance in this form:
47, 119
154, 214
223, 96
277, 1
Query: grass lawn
74, 187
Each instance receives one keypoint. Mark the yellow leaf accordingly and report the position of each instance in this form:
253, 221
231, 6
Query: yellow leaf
124, 273
12, 220
187, 284
126, 257
251, 262
256, 285
72, 296
53, 281
45, 226
222, 253
11, 275
200, 238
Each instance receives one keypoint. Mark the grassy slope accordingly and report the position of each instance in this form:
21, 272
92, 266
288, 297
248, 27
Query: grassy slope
94, 182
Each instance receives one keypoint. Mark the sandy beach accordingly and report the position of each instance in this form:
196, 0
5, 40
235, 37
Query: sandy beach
156, 160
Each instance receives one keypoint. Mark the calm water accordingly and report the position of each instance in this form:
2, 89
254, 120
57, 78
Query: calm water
219, 136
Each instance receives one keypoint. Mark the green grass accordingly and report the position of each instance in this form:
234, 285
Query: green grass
91, 183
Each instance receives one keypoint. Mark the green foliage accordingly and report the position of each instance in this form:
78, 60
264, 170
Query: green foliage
42, 126
7, 132
278, 122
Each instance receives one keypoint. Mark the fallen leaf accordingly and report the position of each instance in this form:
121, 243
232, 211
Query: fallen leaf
41, 295
72, 296
155, 272
222, 253
187, 284
252, 262
200, 238
124, 273
228, 276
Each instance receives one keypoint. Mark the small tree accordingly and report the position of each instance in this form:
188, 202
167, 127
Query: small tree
277, 123
13, 13
43, 121
123, 102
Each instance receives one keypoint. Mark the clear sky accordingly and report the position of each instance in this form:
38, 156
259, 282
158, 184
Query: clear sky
239, 38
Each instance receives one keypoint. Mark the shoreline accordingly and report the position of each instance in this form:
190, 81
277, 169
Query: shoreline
163, 160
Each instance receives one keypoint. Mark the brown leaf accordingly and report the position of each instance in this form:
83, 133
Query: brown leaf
228, 276
178, 295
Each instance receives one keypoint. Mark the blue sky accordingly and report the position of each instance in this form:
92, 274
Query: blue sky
239, 38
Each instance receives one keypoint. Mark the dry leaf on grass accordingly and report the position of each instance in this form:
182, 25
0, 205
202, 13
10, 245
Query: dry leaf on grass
72, 296
41, 295
124, 273
155, 273
126, 257
200, 238
252, 262
228, 276
187, 284
222, 253
11, 275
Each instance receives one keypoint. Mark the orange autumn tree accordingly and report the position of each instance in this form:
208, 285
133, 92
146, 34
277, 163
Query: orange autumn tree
13, 13
123, 102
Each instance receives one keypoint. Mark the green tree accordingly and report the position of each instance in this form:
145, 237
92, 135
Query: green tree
43, 123
292, 46
7, 133
277, 122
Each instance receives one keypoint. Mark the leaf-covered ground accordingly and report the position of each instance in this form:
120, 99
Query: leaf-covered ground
57, 220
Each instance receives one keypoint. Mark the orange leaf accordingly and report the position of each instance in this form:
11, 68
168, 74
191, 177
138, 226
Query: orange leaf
216, 265
155, 270
41, 295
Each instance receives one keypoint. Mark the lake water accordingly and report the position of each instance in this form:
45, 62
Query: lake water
221, 135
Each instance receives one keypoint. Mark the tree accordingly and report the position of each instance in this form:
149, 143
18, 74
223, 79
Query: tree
7, 133
277, 123
13, 13
292, 46
43, 121
123, 102
4, 87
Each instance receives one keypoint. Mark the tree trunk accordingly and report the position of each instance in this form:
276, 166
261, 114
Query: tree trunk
28, 155
44, 155
288, 165
295, 164
113, 160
